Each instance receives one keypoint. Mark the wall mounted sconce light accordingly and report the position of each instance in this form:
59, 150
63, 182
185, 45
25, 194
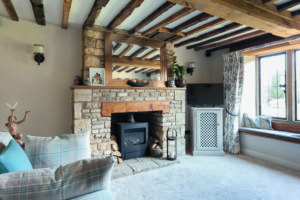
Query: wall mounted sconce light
38, 53
190, 68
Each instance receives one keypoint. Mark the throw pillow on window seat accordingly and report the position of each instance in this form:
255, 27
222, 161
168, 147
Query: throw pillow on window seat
261, 122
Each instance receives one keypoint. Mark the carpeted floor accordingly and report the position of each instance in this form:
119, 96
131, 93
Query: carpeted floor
211, 178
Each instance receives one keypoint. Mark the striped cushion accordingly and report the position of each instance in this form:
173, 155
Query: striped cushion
5, 138
51, 152
66, 182
261, 122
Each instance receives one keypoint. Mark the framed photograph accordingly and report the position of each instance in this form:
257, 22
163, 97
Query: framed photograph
97, 76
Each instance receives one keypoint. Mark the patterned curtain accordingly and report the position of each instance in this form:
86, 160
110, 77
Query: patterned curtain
233, 85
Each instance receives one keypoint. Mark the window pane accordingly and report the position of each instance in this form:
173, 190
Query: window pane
273, 85
297, 58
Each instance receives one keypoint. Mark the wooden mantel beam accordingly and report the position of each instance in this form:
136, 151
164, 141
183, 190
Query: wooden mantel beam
95, 12
10, 10
246, 13
66, 13
38, 11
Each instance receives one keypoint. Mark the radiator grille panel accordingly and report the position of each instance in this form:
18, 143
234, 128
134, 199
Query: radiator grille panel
208, 130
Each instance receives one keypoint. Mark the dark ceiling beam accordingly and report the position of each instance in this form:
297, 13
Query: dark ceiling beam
209, 34
153, 51
140, 70
116, 67
95, 12
123, 69
179, 14
137, 52
201, 28
244, 44
216, 39
235, 39
163, 8
66, 13
124, 13
268, 1
10, 10
117, 46
287, 5
130, 70
125, 51
295, 13
154, 58
191, 22
38, 11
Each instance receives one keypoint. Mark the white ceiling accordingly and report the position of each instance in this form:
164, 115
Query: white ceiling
80, 10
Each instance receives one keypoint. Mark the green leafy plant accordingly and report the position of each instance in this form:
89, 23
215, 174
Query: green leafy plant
176, 69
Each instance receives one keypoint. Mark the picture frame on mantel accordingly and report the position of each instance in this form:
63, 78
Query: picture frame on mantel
97, 76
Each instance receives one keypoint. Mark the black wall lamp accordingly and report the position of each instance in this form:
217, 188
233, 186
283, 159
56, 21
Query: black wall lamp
38, 53
190, 68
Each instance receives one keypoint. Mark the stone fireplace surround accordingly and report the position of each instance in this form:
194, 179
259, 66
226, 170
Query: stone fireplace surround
90, 106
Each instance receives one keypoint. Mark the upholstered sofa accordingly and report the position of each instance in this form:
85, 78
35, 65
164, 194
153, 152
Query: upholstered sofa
62, 169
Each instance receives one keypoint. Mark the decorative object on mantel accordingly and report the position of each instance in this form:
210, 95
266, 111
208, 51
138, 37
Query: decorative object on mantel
87, 81
77, 80
38, 53
97, 76
171, 144
190, 68
179, 72
114, 147
172, 68
12, 124
137, 83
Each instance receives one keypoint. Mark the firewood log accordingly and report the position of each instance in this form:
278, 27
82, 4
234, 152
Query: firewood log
113, 142
112, 137
116, 153
114, 147
119, 160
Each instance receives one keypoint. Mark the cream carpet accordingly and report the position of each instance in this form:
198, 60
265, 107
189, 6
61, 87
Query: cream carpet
211, 178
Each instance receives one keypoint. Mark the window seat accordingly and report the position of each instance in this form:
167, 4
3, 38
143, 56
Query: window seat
275, 134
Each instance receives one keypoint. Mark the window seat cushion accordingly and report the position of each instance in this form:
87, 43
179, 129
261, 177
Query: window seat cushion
282, 135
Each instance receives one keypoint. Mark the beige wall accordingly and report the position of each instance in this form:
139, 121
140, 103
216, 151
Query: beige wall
44, 89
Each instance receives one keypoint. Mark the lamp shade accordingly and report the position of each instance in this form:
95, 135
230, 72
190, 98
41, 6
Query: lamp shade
38, 48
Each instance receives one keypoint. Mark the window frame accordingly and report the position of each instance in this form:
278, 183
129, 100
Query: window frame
259, 84
295, 85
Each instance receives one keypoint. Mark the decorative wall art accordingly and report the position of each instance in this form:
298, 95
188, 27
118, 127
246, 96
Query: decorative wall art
97, 76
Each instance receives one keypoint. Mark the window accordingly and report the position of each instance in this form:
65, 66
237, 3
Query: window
272, 85
297, 69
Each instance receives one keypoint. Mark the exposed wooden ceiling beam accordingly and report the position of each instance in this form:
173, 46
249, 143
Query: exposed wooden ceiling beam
195, 20
268, 1
140, 70
123, 69
66, 13
125, 51
239, 38
125, 12
154, 58
117, 46
130, 70
153, 51
179, 14
287, 5
95, 12
137, 52
38, 11
116, 67
135, 62
11, 10
201, 28
248, 43
234, 33
163, 8
209, 34
246, 13
295, 13
169, 31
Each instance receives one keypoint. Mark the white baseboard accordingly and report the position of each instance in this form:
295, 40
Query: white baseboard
208, 153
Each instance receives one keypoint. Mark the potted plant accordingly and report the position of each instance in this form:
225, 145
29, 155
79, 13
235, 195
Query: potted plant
172, 69
179, 72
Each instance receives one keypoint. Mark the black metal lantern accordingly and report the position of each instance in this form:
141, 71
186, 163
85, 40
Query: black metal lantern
171, 144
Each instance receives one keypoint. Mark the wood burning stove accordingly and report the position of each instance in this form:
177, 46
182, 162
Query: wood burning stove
132, 138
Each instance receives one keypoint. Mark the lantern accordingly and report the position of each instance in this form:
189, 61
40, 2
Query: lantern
171, 144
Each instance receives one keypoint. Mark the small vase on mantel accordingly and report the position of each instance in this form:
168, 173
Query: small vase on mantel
171, 82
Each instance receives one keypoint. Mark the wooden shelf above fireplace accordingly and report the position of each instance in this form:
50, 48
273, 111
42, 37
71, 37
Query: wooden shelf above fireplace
124, 87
